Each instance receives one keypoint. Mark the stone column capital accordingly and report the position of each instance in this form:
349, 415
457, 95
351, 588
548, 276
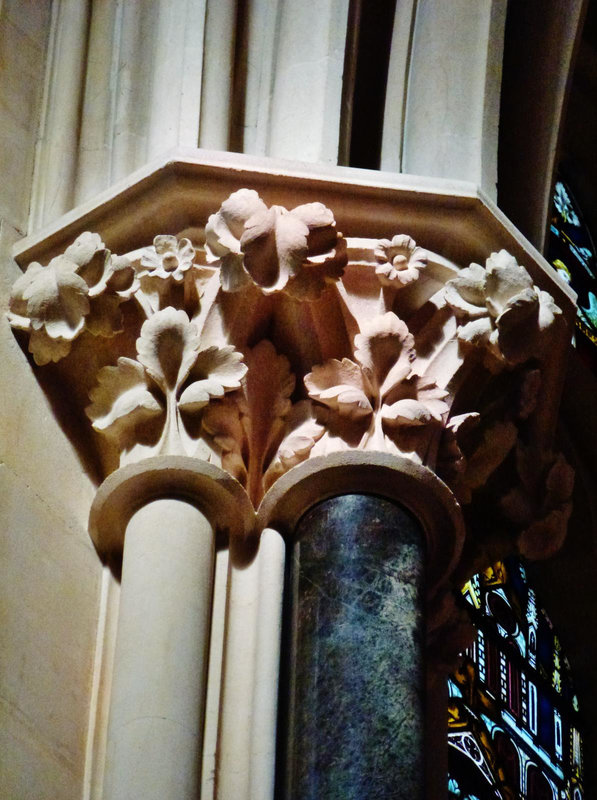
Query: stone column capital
280, 318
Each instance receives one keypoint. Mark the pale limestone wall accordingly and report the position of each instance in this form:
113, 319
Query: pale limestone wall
49, 573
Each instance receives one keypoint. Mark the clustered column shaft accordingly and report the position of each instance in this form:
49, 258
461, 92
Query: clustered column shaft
157, 705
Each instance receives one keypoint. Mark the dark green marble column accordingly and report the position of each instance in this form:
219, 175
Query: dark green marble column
353, 678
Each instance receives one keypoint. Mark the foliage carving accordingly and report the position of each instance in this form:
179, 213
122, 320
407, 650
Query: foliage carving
274, 340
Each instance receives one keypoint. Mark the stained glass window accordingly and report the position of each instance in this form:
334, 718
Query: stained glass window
514, 729
572, 253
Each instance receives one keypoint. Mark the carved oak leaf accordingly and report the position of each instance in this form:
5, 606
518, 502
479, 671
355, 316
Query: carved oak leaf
223, 234
167, 347
400, 261
121, 399
501, 309
302, 434
216, 371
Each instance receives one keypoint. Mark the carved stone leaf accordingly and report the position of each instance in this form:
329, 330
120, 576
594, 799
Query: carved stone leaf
500, 308
222, 422
218, 369
45, 349
544, 537
223, 233
415, 401
319, 220
497, 441
466, 292
560, 482
81, 288
385, 350
505, 280
121, 399
266, 403
85, 248
225, 228
318, 272
105, 317
407, 412
541, 504
451, 459
270, 247
275, 246
102, 271
341, 386
168, 347
477, 332
303, 433
55, 298
520, 313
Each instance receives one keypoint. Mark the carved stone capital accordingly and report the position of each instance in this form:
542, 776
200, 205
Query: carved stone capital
260, 337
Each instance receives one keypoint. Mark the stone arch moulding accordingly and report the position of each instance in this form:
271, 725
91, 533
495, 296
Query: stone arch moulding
251, 336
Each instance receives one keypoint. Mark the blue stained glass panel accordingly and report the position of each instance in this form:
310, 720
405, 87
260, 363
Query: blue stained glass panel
572, 252
513, 723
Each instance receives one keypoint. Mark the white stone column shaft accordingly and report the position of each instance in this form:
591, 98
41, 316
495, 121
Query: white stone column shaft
307, 89
248, 711
56, 153
157, 706
453, 94
397, 86
262, 31
143, 87
218, 71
